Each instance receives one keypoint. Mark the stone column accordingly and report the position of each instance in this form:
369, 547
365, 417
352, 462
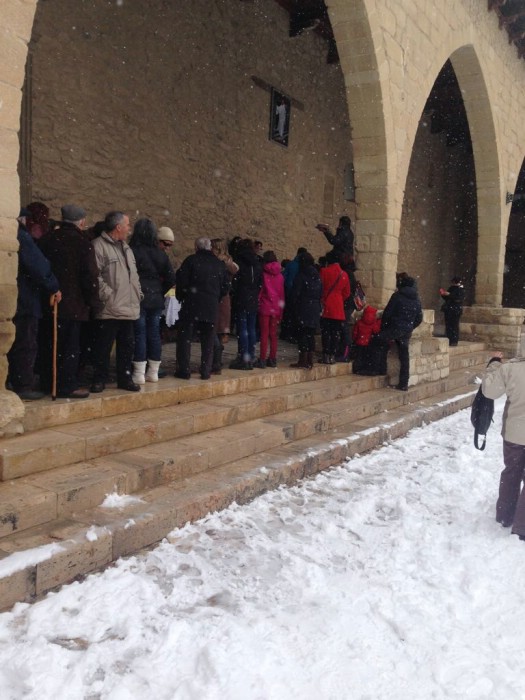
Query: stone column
15, 32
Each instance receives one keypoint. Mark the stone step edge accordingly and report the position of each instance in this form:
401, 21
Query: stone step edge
75, 452
117, 402
95, 538
37, 502
67, 446
170, 392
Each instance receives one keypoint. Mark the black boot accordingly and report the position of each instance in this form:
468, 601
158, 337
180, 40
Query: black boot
309, 359
301, 362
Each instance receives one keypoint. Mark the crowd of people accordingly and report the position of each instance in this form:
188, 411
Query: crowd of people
83, 291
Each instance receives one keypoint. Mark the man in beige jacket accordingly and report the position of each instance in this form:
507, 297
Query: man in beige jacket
119, 303
509, 378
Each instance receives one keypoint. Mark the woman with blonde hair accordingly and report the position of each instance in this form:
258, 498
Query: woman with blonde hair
223, 326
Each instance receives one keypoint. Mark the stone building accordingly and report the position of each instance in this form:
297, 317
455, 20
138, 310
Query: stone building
404, 115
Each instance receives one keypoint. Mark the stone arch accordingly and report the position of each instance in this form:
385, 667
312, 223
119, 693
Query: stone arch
15, 32
491, 236
514, 270
363, 63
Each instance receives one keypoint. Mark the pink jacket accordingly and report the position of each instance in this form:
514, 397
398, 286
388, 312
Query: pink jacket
271, 296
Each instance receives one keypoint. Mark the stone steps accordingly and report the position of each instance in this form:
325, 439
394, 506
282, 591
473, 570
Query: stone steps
207, 405
189, 458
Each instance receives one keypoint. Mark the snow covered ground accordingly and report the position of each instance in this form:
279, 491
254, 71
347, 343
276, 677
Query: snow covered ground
383, 579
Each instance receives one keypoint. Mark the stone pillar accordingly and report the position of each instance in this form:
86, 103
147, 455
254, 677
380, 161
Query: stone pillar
15, 31
499, 328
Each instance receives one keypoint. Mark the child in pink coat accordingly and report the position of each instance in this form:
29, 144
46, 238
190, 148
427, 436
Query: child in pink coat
271, 305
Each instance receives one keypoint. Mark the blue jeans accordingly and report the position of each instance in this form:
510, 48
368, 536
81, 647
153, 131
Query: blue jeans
247, 337
147, 335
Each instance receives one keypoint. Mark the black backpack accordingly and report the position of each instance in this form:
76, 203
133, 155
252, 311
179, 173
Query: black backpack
481, 417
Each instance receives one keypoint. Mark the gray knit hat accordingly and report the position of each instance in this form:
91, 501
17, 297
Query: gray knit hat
70, 212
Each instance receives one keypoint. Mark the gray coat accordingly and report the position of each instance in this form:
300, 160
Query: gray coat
118, 281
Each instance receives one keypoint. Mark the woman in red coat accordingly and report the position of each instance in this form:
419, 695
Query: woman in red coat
336, 288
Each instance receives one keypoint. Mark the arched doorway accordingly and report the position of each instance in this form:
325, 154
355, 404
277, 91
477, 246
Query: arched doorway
514, 271
439, 217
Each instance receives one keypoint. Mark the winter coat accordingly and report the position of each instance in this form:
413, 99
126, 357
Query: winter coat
453, 301
224, 314
367, 326
508, 378
402, 314
119, 287
73, 263
271, 296
34, 276
247, 282
336, 288
342, 241
290, 272
156, 275
305, 297
202, 281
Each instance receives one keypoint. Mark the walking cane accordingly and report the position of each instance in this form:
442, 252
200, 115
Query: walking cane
55, 332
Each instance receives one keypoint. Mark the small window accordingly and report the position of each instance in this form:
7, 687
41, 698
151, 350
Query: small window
349, 192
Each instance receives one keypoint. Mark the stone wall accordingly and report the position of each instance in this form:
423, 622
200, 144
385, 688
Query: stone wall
500, 328
151, 107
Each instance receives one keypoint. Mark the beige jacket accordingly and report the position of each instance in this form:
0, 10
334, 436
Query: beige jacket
508, 378
118, 281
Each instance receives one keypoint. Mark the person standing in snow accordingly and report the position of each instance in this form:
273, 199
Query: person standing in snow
509, 378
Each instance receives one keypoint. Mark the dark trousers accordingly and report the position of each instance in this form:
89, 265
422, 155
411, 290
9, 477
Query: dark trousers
306, 339
330, 335
404, 360
207, 337
510, 507
452, 325
68, 353
370, 360
107, 332
22, 355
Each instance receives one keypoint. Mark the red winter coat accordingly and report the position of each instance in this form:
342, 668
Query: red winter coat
367, 326
271, 296
336, 288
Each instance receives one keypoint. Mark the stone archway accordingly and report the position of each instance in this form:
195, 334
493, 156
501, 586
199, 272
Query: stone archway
514, 273
17, 22
489, 187
363, 64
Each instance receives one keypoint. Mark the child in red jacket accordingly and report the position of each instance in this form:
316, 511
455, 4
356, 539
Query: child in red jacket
365, 329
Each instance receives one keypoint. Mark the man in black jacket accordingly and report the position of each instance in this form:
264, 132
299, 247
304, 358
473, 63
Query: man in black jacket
202, 281
402, 314
35, 280
73, 262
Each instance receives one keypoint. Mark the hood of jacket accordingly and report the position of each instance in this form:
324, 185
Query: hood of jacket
369, 315
272, 268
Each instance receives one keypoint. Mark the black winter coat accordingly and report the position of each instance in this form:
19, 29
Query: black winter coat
342, 241
34, 277
202, 280
402, 314
247, 282
156, 275
453, 301
73, 262
305, 297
